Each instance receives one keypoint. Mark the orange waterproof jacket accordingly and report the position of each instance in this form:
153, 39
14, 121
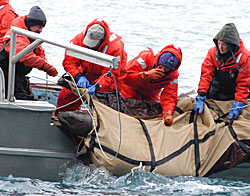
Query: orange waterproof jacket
35, 58
164, 90
113, 45
210, 63
7, 15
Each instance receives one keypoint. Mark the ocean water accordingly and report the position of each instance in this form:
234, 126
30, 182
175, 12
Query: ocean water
188, 24
83, 180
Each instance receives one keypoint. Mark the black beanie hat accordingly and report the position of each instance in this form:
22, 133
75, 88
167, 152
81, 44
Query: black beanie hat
36, 17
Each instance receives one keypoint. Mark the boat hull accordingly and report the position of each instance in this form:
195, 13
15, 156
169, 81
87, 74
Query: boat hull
29, 145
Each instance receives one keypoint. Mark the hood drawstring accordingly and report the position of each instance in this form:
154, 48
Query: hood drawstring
218, 59
238, 58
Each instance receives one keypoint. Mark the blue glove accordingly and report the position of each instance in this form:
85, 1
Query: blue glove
236, 110
199, 104
82, 82
91, 90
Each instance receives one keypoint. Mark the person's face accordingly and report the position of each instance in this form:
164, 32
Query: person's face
223, 47
164, 68
36, 29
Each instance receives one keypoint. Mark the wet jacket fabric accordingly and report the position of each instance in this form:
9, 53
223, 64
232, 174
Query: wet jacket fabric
112, 45
225, 78
163, 90
7, 15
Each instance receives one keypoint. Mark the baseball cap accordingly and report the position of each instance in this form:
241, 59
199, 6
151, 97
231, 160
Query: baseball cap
94, 34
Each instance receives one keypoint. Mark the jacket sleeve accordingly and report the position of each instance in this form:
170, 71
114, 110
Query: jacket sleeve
207, 72
31, 59
242, 89
40, 52
71, 64
169, 95
134, 67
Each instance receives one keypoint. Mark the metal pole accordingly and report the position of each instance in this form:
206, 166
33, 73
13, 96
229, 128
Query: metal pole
25, 51
2, 85
75, 50
12, 66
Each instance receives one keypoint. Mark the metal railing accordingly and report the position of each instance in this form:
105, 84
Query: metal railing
72, 50
2, 85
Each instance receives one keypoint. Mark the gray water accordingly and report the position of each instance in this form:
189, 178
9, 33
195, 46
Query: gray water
83, 180
190, 25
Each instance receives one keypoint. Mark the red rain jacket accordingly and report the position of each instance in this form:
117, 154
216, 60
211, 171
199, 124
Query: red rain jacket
113, 45
164, 90
210, 64
37, 59
7, 15
4, 2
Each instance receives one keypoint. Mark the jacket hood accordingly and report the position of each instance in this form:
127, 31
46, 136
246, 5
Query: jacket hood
229, 35
170, 48
4, 2
106, 28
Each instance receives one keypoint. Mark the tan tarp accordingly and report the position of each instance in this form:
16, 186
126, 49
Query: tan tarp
175, 149
188, 147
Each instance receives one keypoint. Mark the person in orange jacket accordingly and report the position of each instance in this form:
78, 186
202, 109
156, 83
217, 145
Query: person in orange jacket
225, 72
35, 22
7, 15
155, 77
97, 36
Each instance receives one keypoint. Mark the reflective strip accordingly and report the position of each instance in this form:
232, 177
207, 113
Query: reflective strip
1, 6
142, 63
175, 81
118, 60
104, 49
6, 36
112, 37
238, 58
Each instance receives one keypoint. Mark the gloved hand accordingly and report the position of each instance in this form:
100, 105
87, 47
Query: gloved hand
199, 104
236, 110
152, 74
83, 82
91, 90
167, 116
51, 70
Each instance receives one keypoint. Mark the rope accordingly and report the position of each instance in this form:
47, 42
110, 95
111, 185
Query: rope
92, 119
46, 79
240, 107
119, 115
86, 107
